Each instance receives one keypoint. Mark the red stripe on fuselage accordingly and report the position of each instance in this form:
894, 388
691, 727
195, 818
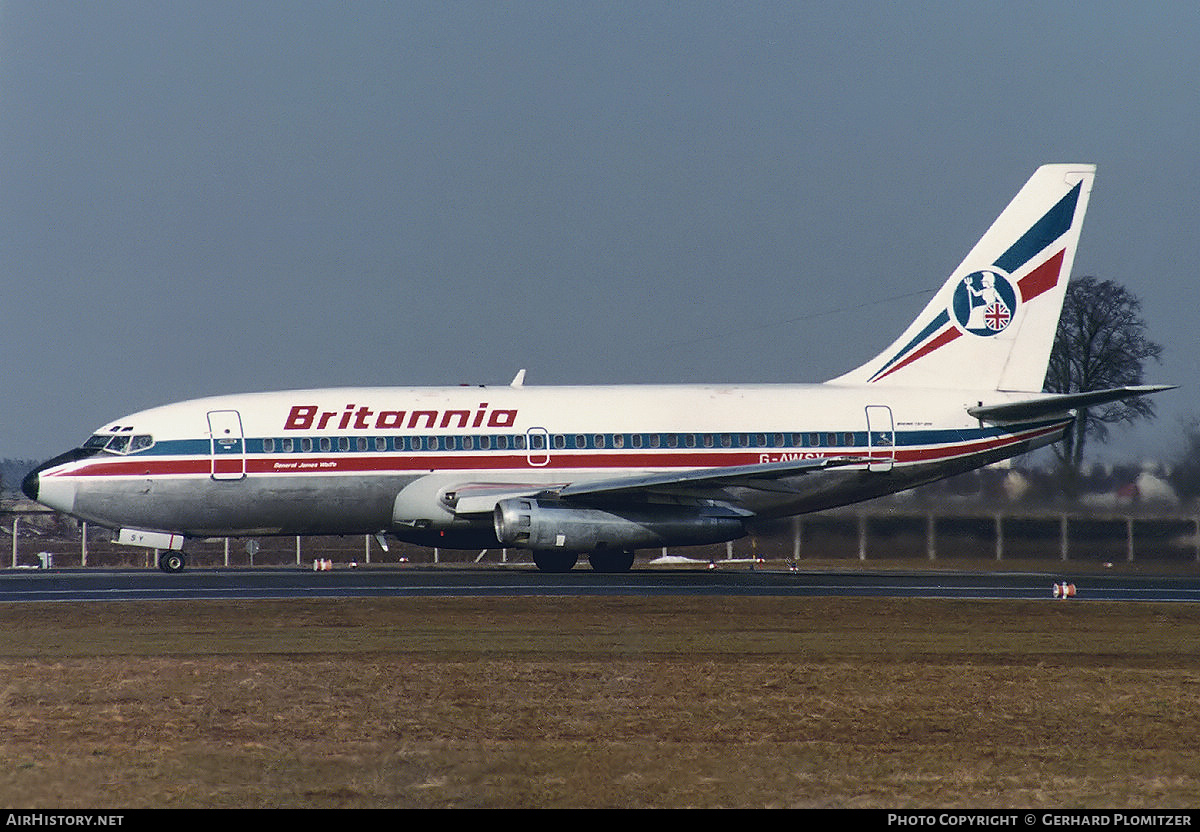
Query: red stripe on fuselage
935, 453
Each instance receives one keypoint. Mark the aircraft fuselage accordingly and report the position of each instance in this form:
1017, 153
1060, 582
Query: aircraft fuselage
370, 460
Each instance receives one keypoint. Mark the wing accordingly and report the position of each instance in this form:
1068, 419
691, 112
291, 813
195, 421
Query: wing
765, 476
475, 498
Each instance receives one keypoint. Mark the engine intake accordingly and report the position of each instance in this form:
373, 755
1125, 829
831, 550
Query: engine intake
526, 523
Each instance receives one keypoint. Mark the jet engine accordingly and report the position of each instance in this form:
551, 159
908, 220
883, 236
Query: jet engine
527, 523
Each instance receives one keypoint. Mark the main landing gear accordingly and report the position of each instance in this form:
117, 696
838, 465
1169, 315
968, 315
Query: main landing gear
606, 561
172, 561
554, 561
611, 561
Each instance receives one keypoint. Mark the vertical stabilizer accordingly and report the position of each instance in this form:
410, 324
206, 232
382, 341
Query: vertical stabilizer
992, 324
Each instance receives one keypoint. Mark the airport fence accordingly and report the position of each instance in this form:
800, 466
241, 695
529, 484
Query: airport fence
41, 539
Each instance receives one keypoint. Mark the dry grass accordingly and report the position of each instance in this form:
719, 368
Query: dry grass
618, 702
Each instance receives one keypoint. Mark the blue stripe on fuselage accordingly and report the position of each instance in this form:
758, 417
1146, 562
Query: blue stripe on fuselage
752, 441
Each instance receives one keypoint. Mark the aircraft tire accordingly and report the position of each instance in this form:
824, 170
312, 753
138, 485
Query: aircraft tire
611, 562
172, 562
555, 561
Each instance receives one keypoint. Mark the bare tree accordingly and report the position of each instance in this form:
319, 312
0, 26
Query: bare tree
1185, 473
1101, 343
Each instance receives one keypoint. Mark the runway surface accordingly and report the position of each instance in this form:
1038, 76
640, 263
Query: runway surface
76, 585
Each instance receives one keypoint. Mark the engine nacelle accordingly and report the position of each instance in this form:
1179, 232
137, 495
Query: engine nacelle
526, 523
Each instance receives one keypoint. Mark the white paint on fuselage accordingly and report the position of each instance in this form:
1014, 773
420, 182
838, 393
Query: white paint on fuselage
325, 492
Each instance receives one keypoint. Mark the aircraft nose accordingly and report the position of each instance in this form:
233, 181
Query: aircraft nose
29, 485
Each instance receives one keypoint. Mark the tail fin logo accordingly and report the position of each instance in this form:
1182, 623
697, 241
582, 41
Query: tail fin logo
984, 303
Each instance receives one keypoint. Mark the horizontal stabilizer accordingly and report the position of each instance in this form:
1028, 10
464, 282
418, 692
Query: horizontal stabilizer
1056, 403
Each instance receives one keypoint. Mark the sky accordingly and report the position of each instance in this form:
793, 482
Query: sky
214, 197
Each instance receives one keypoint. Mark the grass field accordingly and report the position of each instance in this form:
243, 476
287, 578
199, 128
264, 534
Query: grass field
599, 702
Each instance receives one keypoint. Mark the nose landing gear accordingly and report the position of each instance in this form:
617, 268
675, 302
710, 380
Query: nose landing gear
172, 561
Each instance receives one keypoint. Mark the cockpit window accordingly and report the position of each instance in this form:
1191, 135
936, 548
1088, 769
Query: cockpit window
121, 443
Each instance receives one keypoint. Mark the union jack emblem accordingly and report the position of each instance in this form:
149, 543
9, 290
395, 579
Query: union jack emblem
997, 316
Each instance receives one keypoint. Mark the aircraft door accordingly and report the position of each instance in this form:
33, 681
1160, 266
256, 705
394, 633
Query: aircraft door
881, 438
228, 445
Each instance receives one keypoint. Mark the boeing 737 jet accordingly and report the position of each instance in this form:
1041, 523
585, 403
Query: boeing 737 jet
605, 471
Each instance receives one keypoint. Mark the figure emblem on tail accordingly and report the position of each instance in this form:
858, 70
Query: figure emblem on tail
984, 303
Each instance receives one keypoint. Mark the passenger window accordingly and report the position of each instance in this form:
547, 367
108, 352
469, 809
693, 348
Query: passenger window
325, 443
268, 445
286, 445
380, 443
343, 443
306, 445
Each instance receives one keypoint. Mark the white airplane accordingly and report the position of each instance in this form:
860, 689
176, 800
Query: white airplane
604, 471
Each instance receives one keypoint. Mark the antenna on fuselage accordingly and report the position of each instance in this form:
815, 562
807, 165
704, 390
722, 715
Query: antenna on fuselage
518, 379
